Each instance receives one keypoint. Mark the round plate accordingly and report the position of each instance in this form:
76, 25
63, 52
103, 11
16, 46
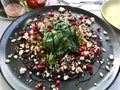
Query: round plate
23, 82
110, 11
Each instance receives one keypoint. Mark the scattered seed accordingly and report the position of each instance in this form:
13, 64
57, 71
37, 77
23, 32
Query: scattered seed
107, 68
105, 33
108, 63
101, 74
101, 62
21, 52
95, 84
53, 85
107, 38
104, 49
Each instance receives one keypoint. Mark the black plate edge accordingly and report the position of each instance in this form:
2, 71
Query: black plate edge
20, 18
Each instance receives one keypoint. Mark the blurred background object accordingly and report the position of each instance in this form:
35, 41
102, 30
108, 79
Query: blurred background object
36, 3
13, 8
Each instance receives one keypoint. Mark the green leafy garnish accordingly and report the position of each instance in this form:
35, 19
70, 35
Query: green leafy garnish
61, 39
51, 59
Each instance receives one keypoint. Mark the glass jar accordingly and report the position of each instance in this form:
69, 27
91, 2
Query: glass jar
13, 8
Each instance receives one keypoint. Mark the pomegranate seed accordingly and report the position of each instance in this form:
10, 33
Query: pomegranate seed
81, 17
39, 86
49, 26
99, 52
81, 49
57, 82
39, 55
86, 17
69, 15
35, 29
22, 32
80, 53
51, 10
30, 33
38, 14
91, 50
84, 44
72, 56
60, 58
89, 67
48, 30
41, 65
73, 23
77, 51
99, 29
51, 14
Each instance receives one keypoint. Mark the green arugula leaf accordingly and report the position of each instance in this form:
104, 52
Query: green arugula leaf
51, 59
61, 39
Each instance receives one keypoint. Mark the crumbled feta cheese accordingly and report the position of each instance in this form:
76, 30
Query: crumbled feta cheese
21, 52
13, 40
95, 84
111, 57
15, 56
88, 22
66, 77
84, 67
105, 33
80, 88
65, 67
78, 70
26, 36
82, 58
7, 60
37, 73
9, 56
61, 9
92, 19
22, 45
30, 72
22, 70
58, 76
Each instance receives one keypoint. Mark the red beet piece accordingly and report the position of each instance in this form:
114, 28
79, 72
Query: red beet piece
57, 82
41, 65
99, 29
39, 86
89, 67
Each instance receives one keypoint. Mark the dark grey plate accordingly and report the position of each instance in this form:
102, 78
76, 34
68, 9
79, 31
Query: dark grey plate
11, 71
